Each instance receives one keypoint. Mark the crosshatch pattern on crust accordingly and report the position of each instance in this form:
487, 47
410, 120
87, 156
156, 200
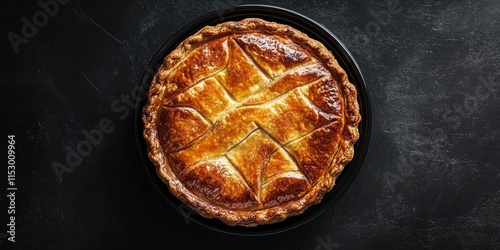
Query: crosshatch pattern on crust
250, 122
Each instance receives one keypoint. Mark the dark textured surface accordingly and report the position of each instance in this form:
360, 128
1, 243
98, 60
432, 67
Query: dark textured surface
430, 178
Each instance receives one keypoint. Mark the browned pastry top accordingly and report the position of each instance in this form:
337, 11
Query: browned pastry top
250, 122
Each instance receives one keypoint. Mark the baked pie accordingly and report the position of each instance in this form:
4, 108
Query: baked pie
250, 121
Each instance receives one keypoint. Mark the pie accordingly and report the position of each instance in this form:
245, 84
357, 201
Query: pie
250, 122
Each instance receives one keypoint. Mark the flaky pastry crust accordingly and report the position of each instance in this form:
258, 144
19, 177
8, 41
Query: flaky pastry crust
250, 121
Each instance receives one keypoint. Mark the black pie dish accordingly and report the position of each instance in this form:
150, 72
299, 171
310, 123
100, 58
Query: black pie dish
313, 30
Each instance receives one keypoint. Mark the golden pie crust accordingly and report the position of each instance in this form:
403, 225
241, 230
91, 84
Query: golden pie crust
250, 121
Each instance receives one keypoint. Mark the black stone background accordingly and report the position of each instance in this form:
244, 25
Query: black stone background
430, 178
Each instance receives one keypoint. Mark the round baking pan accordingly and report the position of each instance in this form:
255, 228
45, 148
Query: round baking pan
315, 31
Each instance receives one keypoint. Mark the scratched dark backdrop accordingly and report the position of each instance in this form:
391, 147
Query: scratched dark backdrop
430, 179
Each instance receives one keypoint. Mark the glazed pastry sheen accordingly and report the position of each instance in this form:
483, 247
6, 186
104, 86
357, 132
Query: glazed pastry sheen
250, 122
